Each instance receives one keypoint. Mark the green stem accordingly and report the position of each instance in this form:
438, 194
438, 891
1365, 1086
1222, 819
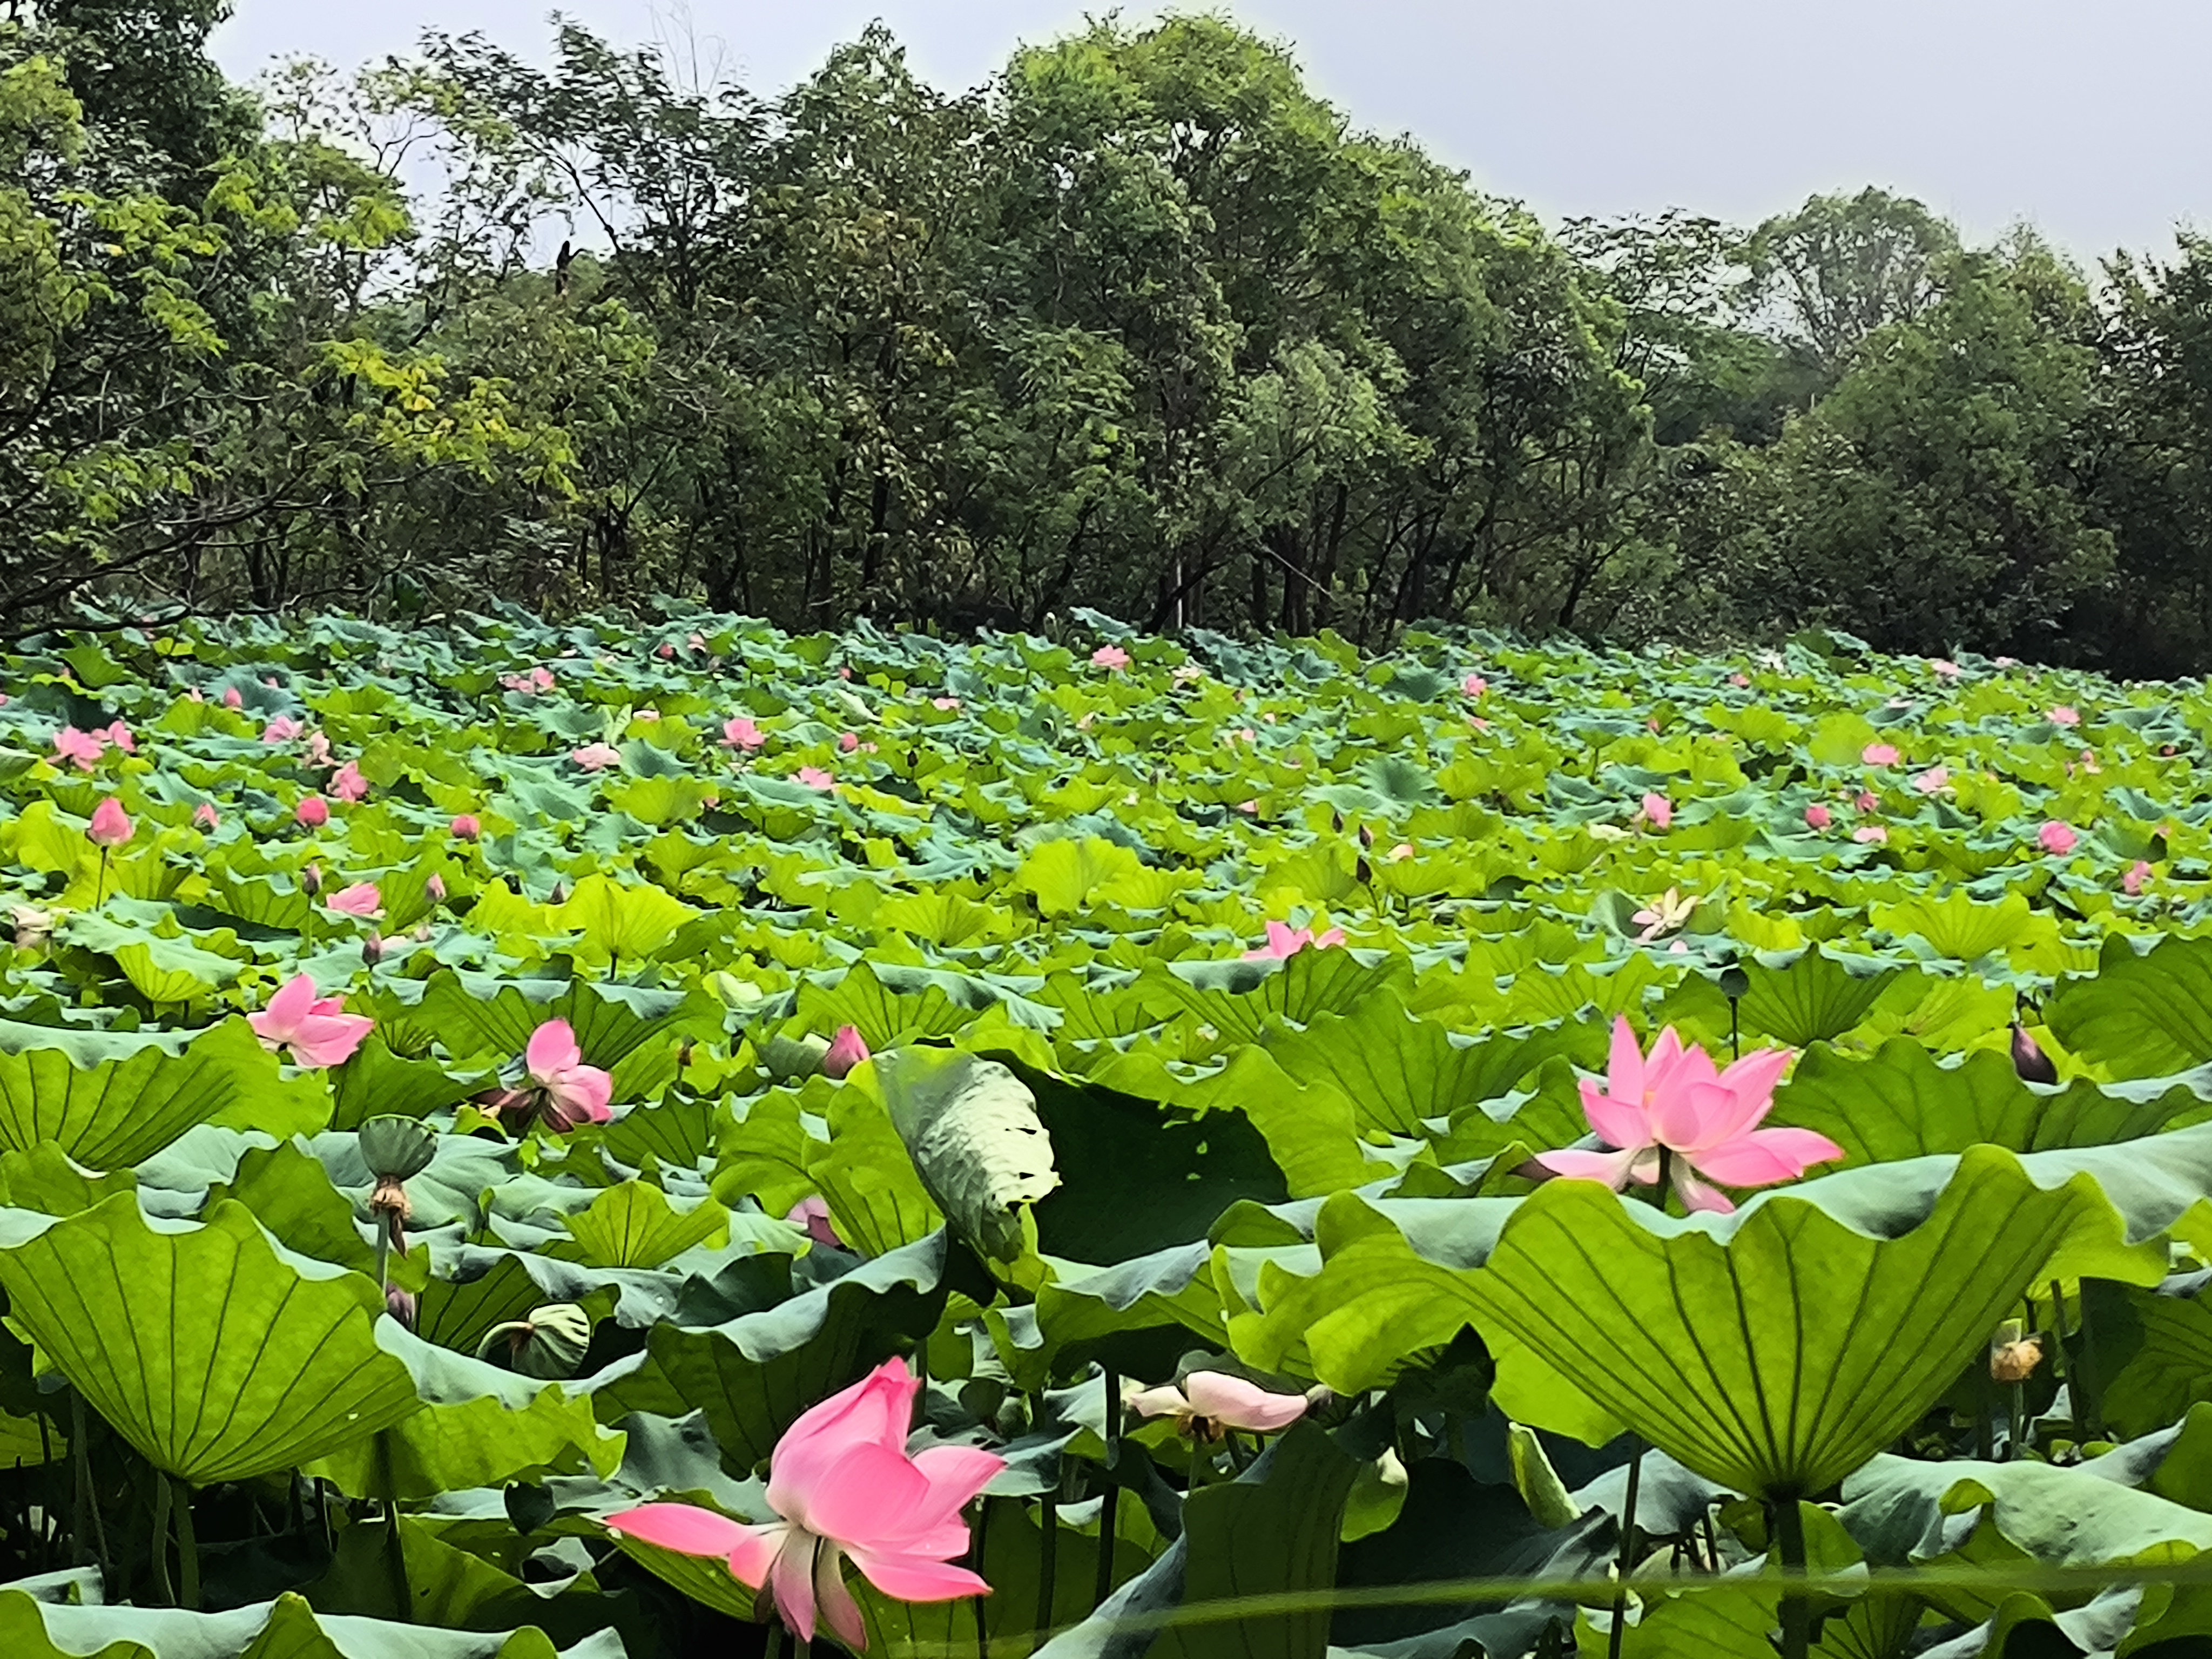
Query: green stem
1627, 1554
1048, 1556
2090, 1411
1796, 1606
2058, 1366
81, 1463
1110, 1500
1666, 1178
387, 1478
1712, 1542
2017, 1436
983, 1629
99, 889
162, 1586
775, 1646
188, 1547
383, 1254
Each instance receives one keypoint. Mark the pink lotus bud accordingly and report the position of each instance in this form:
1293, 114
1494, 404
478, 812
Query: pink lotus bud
372, 949
666, 652
845, 1051
1818, 817
2132, 882
435, 887
466, 827
2028, 1058
848, 741
311, 880
313, 813
1658, 811
232, 698
1879, 754
203, 816
2058, 839
111, 825
400, 1304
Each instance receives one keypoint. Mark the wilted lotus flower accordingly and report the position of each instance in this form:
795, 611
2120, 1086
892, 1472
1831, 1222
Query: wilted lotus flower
467, 828
846, 1051
1284, 941
1211, 1405
313, 813
812, 1214
310, 1031
111, 825
1673, 1101
347, 784
842, 1484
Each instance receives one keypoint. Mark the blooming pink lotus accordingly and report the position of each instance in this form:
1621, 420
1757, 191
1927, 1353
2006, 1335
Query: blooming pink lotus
1879, 754
1673, 1102
597, 756
2132, 882
1657, 811
1475, 685
362, 899
111, 825
842, 1484
2058, 839
282, 729
814, 1214
947, 705
1740, 682
1944, 669
82, 750
1818, 817
310, 1031
234, 698
2063, 714
572, 1092
815, 778
1211, 1404
742, 733
466, 827
1871, 835
313, 813
1111, 658
1934, 781
848, 1051
1866, 800
1284, 940
347, 784
203, 816
119, 735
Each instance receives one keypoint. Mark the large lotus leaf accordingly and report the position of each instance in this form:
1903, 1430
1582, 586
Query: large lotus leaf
474, 1015
1398, 1071
448, 1588
1148, 1309
1271, 1531
754, 1375
623, 921
2144, 1013
287, 1628
217, 1354
889, 1008
1903, 1103
971, 1128
377, 1083
877, 1202
1238, 999
1063, 874
2153, 1350
1814, 998
635, 1225
1962, 928
111, 1101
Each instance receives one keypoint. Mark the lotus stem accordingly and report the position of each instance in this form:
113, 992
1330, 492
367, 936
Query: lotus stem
82, 1443
2060, 1371
1796, 1608
188, 1546
162, 1585
383, 1255
100, 888
1047, 1555
2017, 1433
773, 1648
2090, 1412
983, 1629
1665, 1177
1619, 1631
1712, 1542
1110, 1500
81, 1467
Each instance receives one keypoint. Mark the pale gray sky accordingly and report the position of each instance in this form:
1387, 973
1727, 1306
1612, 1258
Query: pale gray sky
2086, 118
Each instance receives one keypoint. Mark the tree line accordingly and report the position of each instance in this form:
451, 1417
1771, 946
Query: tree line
1142, 324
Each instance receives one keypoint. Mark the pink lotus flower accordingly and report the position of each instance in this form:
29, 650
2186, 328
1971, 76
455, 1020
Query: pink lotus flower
1674, 1101
319, 749
742, 733
204, 816
848, 741
572, 1093
82, 750
847, 1050
1250, 808
1871, 835
1818, 817
1879, 754
842, 1484
2089, 763
466, 827
1284, 940
347, 784
1740, 681
2063, 714
111, 825
947, 705
1934, 781
1657, 811
362, 899
1475, 685
597, 756
1111, 658
814, 1214
666, 652
119, 735
234, 698
1866, 800
313, 813
2058, 839
1944, 669
2132, 882
815, 778
310, 1031
282, 729
435, 887
1211, 1404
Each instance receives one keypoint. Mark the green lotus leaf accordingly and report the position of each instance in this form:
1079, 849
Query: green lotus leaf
473, 1016
971, 1128
450, 1588
876, 1200
110, 1101
1238, 999
635, 1225
2144, 1013
1813, 999
624, 922
2154, 1348
215, 1353
376, 1082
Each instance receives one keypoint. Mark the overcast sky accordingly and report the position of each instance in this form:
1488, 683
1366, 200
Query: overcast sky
2088, 119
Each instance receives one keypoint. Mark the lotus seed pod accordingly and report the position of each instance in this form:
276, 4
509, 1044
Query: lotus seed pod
548, 1344
397, 1148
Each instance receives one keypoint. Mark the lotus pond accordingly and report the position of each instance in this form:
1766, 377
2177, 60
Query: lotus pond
680, 1138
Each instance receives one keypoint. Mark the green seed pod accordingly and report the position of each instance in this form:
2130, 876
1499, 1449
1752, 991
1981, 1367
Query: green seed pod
548, 1344
397, 1148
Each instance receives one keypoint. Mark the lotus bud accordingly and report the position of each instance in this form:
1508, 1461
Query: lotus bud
111, 825
550, 1344
2028, 1058
560, 894
1335, 822
372, 949
847, 1050
401, 1305
311, 880
204, 816
466, 827
1366, 835
685, 1052
313, 813
1362, 872
435, 887
397, 1148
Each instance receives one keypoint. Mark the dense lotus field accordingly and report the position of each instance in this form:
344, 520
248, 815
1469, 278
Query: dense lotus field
678, 1139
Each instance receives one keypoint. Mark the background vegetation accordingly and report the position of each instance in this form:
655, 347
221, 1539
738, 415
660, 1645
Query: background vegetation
1142, 324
